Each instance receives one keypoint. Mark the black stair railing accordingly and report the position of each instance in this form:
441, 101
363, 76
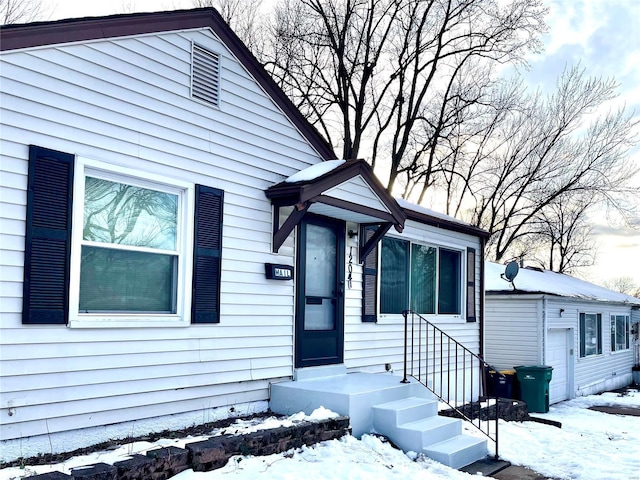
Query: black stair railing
455, 374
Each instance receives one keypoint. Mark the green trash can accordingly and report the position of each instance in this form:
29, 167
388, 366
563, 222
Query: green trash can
534, 386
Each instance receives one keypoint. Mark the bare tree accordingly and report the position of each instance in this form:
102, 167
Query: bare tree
21, 11
332, 58
438, 41
623, 284
555, 149
243, 16
375, 70
564, 240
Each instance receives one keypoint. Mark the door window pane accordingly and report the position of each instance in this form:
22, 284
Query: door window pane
320, 267
320, 278
320, 314
394, 276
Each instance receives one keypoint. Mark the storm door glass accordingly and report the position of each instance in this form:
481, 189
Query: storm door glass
320, 278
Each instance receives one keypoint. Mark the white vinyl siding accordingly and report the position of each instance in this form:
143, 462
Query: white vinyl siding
356, 191
127, 102
512, 333
609, 370
369, 346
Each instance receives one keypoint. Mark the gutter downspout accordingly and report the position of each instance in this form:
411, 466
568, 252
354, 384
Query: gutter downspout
482, 246
544, 329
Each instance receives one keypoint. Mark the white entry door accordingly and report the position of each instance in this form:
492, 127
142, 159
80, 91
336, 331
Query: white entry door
558, 355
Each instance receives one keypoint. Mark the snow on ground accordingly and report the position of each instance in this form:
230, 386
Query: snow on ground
589, 446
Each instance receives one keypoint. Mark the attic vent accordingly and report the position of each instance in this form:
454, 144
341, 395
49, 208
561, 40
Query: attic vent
205, 75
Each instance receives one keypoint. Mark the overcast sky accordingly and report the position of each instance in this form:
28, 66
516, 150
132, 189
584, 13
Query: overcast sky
603, 35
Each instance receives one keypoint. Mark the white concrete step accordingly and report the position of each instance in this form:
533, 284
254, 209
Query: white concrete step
430, 431
413, 424
459, 451
407, 413
402, 411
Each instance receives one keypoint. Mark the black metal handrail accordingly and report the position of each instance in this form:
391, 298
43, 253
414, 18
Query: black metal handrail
440, 362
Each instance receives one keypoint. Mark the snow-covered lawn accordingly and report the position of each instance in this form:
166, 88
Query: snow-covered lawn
589, 446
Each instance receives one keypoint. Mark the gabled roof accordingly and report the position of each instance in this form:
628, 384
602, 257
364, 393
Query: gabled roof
539, 281
37, 34
310, 184
312, 190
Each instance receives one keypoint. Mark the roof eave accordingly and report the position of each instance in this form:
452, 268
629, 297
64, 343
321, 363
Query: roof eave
446, 224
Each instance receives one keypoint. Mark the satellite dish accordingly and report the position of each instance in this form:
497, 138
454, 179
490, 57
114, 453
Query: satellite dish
511, 271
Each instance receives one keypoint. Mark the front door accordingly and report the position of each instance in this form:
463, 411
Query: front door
320, 293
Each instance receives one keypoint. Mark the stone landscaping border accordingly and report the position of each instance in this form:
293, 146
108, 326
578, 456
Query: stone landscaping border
510, 410
210, 454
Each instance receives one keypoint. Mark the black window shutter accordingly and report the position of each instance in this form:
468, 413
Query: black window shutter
369, 278
471, 285
47, 237
207, 255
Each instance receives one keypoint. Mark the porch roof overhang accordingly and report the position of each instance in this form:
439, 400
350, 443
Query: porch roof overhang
328, 194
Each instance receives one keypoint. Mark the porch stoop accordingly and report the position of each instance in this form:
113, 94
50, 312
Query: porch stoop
406, 413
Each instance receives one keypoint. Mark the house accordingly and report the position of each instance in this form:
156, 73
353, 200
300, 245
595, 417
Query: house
176, 239
580, 329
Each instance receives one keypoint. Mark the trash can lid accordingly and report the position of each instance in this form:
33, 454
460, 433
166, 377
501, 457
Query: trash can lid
533, 367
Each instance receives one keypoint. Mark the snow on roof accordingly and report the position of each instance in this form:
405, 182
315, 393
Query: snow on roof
420, 209
314, 171
531, 280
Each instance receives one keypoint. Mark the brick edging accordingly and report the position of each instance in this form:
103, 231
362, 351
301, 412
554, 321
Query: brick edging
210, 454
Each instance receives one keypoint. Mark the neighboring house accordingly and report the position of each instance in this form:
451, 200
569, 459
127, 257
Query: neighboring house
176, 238
580, 329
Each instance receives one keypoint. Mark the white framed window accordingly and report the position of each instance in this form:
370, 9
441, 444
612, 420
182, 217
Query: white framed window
424, 278
131, 249
590, 334
620, 330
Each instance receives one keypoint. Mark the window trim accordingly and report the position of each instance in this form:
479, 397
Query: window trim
462, 276
186, 211
613, 323
582, 317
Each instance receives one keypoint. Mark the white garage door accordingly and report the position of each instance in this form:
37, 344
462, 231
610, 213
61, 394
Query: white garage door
557, 353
